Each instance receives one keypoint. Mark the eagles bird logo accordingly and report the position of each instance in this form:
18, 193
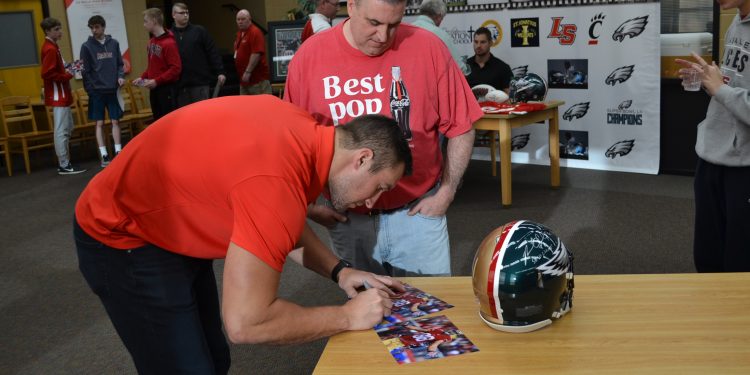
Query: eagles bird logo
621, 148
625, 105
620, 75
520, 141
576, 111
632, 28
520, 71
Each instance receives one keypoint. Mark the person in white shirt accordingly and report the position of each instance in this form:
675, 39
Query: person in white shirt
431, 15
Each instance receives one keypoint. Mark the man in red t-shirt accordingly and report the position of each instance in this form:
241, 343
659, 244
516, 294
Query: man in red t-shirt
373, 63
164, 64
250, 57
207, 182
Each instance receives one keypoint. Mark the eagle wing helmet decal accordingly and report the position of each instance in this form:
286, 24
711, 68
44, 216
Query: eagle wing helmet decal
632, 28
620, 75
621, 148
518, 142
558, 263
576, 111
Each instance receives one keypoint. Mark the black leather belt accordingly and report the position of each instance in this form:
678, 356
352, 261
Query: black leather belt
375, 212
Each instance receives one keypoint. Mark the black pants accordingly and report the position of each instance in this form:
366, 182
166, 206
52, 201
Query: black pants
164, 306
192, 94
163, 100
722, 218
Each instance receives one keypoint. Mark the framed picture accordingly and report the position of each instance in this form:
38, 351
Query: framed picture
284, 40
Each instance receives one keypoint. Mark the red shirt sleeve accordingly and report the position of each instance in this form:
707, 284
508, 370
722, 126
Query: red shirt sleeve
457, 105
258, 44
267, 223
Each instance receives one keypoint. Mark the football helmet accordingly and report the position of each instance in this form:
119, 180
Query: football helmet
523, 277
530, 87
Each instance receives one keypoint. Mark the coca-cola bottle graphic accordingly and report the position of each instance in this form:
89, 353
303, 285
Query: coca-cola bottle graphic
400, 102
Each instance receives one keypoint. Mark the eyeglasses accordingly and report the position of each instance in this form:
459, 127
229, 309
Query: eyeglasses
184, 13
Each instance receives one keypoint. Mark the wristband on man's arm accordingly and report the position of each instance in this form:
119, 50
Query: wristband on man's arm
337, 269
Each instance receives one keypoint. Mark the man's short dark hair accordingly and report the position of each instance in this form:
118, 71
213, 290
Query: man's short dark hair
381, 135
49, 23
97, 20
485, 31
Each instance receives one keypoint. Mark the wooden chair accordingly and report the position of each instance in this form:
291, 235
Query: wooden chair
21, 129
131, 115
278, 88
4, 150
140, 106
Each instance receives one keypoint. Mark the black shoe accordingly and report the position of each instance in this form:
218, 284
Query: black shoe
69, 169
105, 160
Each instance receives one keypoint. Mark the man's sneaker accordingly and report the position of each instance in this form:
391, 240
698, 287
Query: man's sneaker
105, 160
69, 169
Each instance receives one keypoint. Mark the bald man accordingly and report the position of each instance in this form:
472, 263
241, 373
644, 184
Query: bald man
249, 57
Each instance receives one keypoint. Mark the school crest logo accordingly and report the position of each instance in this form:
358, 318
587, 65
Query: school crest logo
630, 28
576, 111
519, 141
621, 148
524, 32
620, 75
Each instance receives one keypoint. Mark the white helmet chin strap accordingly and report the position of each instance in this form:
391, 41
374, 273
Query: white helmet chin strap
517, 329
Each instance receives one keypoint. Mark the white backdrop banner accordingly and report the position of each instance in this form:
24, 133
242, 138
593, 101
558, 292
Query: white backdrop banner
79, 12
602, 59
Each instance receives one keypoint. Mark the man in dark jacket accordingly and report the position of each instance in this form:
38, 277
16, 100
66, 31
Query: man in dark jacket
201, 63
102, 77
486, 68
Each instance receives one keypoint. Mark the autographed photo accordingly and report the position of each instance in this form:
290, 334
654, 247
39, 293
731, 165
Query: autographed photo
413, 303
418, 340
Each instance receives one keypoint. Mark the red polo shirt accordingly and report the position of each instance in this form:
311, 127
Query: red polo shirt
237, 168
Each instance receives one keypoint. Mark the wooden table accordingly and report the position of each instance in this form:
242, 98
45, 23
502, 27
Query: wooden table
504, 123
624, 324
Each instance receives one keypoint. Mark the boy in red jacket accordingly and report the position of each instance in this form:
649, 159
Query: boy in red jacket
164, 64
57, 94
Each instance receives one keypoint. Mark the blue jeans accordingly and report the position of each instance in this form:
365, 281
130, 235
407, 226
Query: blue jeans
395, 244
164, 306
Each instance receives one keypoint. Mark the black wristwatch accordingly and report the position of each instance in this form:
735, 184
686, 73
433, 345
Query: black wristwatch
336, 269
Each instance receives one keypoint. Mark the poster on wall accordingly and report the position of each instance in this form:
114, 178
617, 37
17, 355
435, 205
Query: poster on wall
79, 12
601, 59
284, 38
